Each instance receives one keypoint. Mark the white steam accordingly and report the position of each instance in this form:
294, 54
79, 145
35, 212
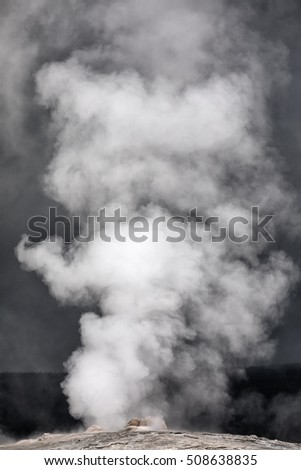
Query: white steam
166, 113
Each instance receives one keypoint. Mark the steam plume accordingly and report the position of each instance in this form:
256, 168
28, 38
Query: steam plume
164, 113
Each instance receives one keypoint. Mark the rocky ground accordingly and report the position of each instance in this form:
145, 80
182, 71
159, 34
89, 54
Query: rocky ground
95, 438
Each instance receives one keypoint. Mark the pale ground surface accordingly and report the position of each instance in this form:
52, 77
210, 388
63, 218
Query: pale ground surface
95, 438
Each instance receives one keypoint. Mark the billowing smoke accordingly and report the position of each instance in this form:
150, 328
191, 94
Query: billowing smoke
165, 112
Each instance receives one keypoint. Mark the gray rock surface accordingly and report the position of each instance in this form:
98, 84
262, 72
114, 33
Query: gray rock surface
146, 440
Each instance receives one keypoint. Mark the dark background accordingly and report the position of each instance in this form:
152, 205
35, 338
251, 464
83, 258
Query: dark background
266, 402
38, 335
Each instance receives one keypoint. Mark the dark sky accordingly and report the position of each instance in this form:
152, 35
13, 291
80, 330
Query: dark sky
37, 334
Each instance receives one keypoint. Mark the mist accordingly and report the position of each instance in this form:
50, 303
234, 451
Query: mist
165, 110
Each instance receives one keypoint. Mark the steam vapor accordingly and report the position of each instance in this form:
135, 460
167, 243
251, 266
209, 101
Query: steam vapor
166, 111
